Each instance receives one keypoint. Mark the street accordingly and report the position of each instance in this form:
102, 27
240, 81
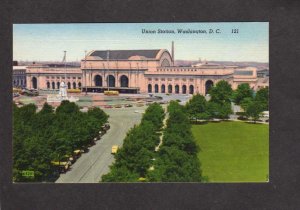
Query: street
92, 165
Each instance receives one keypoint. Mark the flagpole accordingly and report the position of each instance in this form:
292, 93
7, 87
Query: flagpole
65, 52
85, 72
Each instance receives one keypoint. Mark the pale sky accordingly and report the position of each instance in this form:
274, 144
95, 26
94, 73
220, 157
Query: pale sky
46, 42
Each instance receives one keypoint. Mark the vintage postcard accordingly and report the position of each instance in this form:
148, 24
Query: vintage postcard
141, 102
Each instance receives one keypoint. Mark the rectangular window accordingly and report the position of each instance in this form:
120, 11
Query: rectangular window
243, 72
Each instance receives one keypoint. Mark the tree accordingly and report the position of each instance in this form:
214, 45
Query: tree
242, 91
262, 96
197, 107
252, 108
47, 109
246, 102
221, 93
217, 110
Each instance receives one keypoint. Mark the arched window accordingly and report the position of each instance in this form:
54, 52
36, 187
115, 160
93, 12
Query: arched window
79, 84
156, 88
111, 81
74, 85
53, 85
208, 85
69, 85
58, 84
184, 89
163, 88
149, 88
177, 89
34, 83
124, 81
165, 62
48, 85
98, 80
169, 88
191, 89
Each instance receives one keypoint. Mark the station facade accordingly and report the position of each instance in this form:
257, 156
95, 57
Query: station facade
153, 71
138, 71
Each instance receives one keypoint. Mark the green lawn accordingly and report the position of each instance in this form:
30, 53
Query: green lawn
233, 151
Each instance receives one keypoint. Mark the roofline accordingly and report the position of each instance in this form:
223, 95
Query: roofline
161, 52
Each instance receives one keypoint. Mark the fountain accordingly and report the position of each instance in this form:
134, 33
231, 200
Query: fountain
62, 95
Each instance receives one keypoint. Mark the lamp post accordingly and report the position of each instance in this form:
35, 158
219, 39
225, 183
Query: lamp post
85, 72
107, 60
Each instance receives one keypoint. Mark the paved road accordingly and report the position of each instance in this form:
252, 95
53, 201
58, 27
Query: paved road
92, 165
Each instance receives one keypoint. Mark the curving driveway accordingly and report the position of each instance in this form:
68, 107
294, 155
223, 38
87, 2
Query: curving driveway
92, 165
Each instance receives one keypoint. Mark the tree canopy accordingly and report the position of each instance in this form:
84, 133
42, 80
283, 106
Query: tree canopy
243, 91
221, 93
45, 136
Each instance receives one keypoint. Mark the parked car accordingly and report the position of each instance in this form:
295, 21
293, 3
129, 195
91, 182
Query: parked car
108, 106
114, 149
128, 105
118, 106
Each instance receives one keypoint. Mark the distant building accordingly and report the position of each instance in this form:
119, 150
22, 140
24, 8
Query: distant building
137, 71
19, 76
50, 76
263, 73
262, 83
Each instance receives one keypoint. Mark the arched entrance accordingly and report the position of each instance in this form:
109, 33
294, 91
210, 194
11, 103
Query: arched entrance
48, 85
169, 88
57, 85
191, 90
208, 85
184, 89
98, 80
79, 84
53, 85
163, 88
124, 81
74, 85
69, 85
34, 83
149, 88
111, 81
177, 89
156, 88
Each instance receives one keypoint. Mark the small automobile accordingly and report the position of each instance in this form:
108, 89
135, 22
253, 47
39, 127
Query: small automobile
118, 106
108, 106
128, 105
77, 153
114, 149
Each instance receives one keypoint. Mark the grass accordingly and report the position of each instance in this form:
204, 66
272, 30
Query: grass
233, 151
